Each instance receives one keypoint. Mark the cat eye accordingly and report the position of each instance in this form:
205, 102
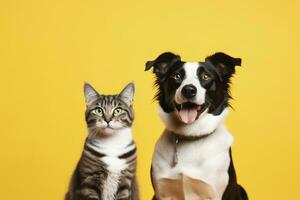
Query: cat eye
98, 111
117, 111
205, 77
176, 76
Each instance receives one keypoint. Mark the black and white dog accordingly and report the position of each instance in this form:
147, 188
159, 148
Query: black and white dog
192, 158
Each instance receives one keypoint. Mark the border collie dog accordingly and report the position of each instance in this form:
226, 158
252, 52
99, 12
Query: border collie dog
192, 158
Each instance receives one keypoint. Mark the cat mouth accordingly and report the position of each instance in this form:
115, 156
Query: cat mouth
108, 127
189, 112
108, 130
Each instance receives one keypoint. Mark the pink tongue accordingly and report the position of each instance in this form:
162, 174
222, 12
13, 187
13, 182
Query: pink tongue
188, 115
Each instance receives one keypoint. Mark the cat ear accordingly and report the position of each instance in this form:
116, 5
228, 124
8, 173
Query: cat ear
224, 63
162, 64
90, 94
127, 94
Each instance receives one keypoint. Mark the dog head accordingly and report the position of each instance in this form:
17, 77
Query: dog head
189, 91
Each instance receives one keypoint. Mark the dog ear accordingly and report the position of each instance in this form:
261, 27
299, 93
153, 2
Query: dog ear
162, 64
224, 63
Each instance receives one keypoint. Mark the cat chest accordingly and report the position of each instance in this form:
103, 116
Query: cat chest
114, 164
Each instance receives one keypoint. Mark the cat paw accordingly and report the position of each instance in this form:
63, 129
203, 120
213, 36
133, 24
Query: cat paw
87, 194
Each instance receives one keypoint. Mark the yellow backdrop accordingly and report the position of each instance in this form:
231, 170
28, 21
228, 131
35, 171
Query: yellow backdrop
49, 48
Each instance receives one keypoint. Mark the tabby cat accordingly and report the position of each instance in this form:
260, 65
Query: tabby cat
107, 167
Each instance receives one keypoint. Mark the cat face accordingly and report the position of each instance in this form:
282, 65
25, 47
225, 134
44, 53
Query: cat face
106, 114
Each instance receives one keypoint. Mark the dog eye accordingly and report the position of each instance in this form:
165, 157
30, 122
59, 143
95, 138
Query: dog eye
98, 111
177, 76
117, 111
205, 77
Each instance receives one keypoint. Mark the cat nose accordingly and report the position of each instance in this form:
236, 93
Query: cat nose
107, 120
189, 91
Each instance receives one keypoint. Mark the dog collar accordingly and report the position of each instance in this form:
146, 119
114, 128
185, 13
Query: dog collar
191, 137
178, 138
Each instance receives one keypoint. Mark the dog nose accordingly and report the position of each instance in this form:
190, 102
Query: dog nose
189, 91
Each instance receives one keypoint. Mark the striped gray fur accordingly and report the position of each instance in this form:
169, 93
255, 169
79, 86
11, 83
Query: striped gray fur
107, 167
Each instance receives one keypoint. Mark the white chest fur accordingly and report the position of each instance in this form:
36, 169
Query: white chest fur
206, 159
112, 147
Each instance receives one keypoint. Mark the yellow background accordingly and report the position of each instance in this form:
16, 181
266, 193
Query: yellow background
49, 48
